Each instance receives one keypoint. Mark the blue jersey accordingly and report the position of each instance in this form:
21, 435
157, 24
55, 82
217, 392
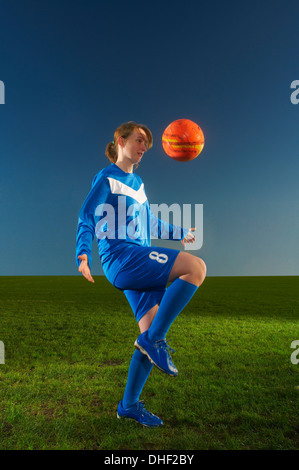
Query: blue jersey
117, 212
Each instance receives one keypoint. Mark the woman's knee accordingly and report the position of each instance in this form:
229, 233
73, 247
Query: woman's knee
198, 271
189, 268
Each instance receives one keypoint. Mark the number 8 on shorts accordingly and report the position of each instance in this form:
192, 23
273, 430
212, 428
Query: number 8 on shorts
160, 257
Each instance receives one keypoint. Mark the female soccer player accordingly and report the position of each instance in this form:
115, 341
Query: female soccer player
117, 211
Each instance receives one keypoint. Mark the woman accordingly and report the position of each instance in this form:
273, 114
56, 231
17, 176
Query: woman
117, 211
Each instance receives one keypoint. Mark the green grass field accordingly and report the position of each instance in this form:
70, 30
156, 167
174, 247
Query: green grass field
68, 345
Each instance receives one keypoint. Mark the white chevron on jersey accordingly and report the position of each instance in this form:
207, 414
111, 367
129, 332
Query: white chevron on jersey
117, 187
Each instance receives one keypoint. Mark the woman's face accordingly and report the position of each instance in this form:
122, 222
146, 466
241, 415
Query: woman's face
135, 146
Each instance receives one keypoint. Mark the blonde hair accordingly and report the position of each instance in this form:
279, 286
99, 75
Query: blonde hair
125, 130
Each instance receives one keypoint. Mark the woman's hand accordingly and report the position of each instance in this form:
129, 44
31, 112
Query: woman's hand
189, 238
84, 268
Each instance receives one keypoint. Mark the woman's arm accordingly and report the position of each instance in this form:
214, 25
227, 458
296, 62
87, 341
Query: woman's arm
86, 224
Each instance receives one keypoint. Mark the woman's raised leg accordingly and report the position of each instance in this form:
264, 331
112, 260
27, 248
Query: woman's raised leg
187, 274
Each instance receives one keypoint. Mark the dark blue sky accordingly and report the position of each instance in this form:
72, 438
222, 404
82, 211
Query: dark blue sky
74, 70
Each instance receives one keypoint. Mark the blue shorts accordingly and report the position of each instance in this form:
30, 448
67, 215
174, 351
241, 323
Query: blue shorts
143, 276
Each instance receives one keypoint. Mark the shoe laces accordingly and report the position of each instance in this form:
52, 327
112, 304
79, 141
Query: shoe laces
141, 407
164, 344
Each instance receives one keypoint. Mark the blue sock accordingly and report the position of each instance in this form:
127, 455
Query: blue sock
139, 371
176, 297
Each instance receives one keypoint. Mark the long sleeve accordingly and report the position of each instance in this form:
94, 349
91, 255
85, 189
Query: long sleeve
165, 231
86, 223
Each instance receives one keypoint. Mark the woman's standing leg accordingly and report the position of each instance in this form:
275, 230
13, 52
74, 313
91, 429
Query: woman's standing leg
139, 370
140, 366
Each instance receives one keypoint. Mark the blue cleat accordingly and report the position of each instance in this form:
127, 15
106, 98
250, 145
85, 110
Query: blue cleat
157, 352
139, 414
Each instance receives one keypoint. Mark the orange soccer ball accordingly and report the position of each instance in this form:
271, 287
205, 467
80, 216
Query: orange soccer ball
183, 140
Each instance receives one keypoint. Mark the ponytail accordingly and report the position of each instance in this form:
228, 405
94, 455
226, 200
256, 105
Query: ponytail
111, 152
